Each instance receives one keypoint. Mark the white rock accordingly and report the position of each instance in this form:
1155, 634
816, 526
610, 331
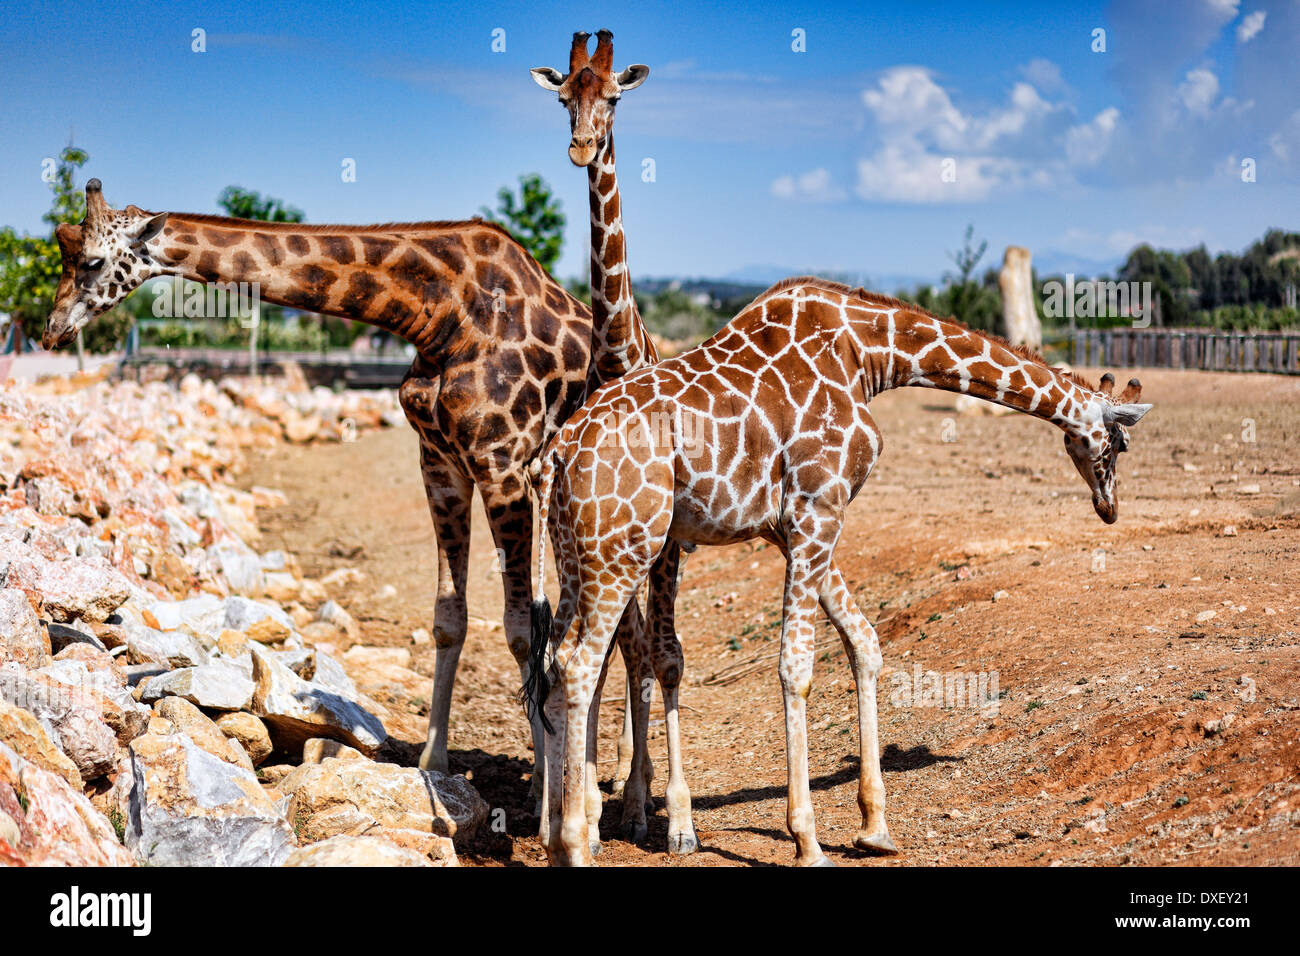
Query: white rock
220, 685
189, 808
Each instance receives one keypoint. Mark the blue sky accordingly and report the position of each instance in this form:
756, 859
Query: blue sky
829, 159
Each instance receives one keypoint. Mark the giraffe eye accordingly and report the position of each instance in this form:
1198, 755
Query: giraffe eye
94, 265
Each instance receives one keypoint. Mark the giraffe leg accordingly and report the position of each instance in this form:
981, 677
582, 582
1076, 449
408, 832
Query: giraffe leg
666, 652
807, 560
631, 641
625, 738
863, 650
595, 804
450, 494
553, 747
582, 681
510, 514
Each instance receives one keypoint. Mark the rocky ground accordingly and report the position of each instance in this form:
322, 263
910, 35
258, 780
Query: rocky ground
1129, 692
201, 668
169, 693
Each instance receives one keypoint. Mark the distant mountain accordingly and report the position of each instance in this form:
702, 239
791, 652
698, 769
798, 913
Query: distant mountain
1052, 262
886, 282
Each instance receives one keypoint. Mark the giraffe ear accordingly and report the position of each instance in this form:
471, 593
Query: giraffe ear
548, 78
1124, 414
633, 76
145, 229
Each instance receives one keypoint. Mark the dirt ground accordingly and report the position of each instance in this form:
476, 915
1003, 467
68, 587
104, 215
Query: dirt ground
1136, 686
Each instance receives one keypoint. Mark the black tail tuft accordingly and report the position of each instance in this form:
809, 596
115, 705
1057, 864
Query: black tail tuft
536, 686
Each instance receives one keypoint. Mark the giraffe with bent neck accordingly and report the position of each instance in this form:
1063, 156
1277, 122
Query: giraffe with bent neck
763, 431
590, 92
503, 358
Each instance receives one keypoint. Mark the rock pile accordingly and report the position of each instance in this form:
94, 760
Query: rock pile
169, 694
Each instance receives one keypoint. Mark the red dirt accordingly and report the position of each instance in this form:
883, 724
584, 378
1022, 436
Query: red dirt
1103, 748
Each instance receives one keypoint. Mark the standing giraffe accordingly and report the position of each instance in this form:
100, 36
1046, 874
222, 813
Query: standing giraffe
589, 92
503, 359
763, 431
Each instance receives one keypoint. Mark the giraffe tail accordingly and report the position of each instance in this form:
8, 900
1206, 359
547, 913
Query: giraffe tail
537, 686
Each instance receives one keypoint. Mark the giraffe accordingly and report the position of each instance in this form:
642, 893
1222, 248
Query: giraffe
503, 358
589, 93
763, 431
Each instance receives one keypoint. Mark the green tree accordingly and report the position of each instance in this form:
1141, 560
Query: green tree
243, 203
535, 218
964, 298
30, 266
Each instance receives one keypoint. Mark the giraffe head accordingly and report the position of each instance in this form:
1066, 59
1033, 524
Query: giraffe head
104, 259
589, 92
1095, 442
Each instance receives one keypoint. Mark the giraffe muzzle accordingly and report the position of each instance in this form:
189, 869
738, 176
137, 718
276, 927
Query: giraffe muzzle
582, 150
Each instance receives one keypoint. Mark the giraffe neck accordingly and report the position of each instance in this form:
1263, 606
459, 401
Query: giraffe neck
388, 279
936, 353
619, 339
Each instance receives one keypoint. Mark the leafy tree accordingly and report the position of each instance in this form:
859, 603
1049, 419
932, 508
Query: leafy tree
241, 203
535, 218
962, 295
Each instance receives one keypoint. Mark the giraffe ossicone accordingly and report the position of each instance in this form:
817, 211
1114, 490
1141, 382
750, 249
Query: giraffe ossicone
785, 388
589, 93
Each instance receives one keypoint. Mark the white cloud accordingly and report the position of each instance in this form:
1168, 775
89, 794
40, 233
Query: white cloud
1250, 25
1044, 75
1198, 91
1087, 143
1017, 145
815, 185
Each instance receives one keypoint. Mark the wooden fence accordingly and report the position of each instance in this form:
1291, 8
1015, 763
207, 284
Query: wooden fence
1276, 352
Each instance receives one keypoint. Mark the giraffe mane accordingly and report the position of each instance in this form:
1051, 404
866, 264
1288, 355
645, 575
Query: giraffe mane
890, 302
318, 229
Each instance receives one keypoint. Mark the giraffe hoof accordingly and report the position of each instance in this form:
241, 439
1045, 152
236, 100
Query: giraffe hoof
822, 860
635, 832
594, 847
877, 844
681, 844
616, 787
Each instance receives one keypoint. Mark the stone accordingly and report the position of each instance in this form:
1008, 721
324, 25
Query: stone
262, 622
105, 693
240, 567
219, 685
196, 725
81, 589
62, 635
350, 796
249, 732
95, 660
201, 616
296, 710
57, 825
232, 644
335, 615
281, 586
22, 638
171, 649
189, 808
23, 733
70, 715
341, 579
344, 850
319, 749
